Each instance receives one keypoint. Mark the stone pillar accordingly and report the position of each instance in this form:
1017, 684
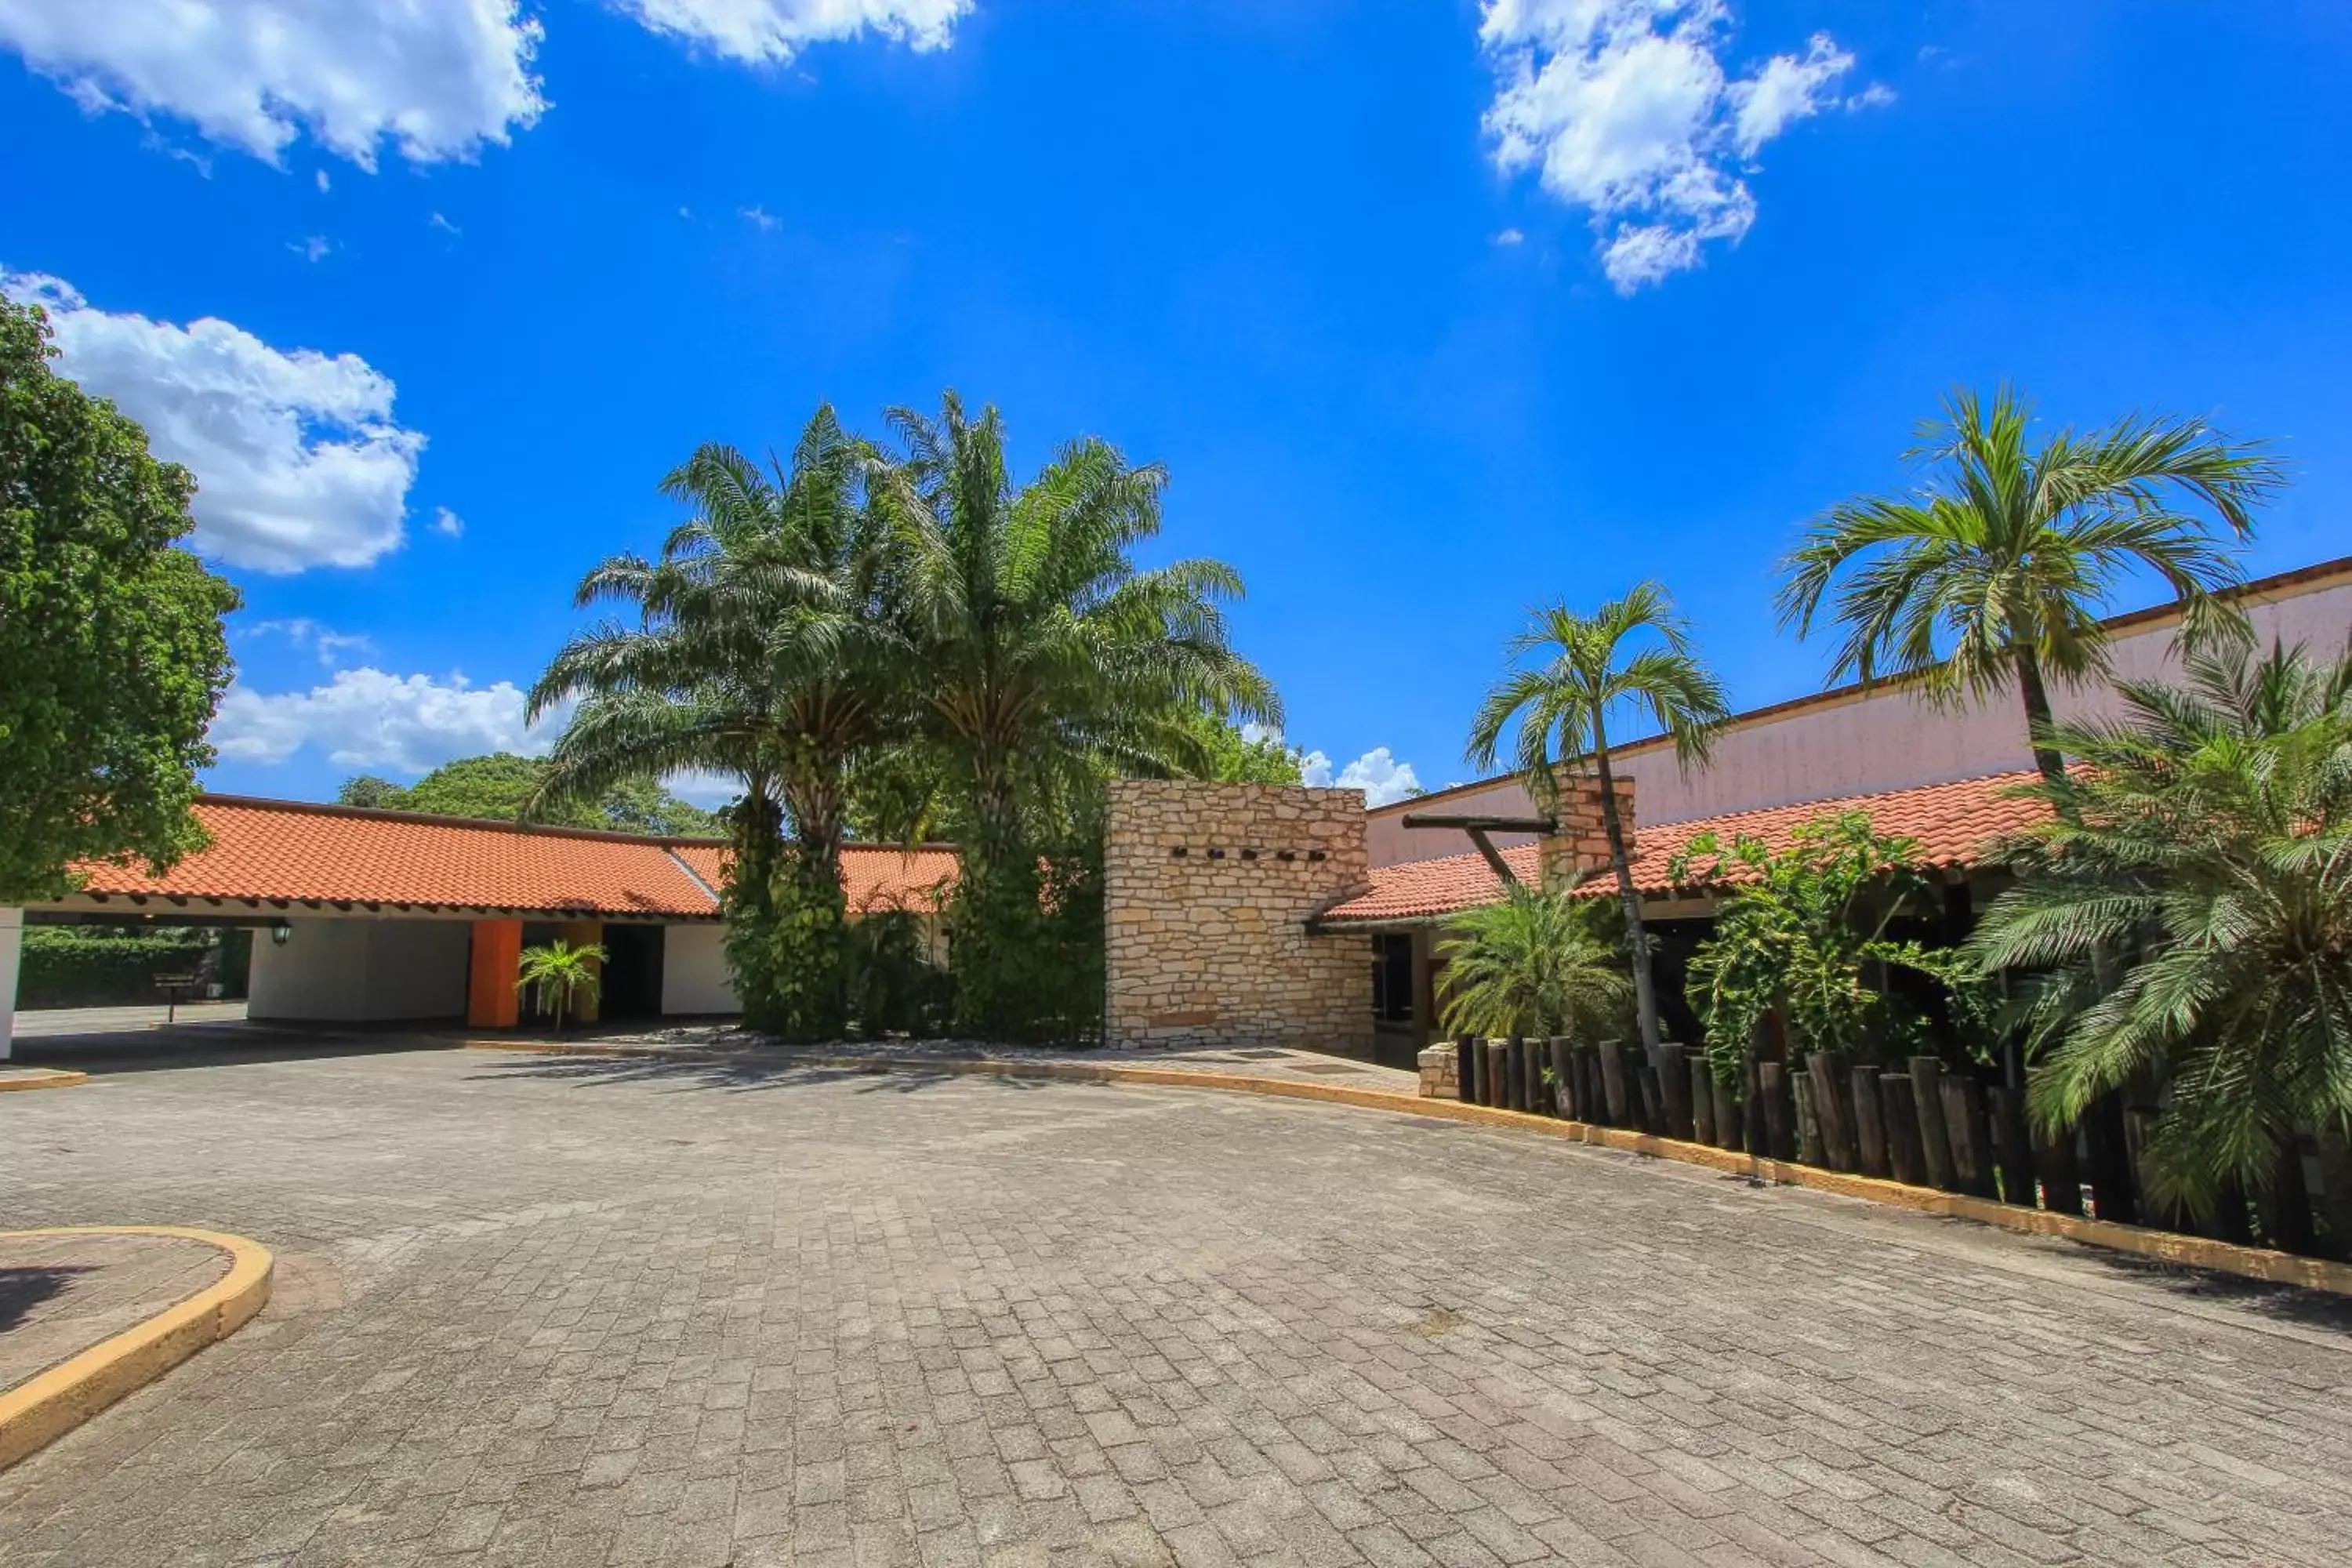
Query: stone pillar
496, 963
1581, 848
1441, 1070
1208, 892
12, 942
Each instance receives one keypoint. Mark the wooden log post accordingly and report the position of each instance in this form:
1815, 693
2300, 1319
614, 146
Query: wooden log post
1499, 1073
1675, 1089
2336, 1187
1727, 1121
1809, 1119
2013, 1145
1613, 1093
1702, 1099
1469, 1069
2286, 1208
1586, 1061
1869, 1121
1780, 1114
1754, 1136
1514, 1073
1563, 1077
1934, 1138
1971, 1134
2113, 1195
1535, 1055
1830, 1110
1907, 1159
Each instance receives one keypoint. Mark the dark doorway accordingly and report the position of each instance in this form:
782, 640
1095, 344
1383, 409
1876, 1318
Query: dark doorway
633, 970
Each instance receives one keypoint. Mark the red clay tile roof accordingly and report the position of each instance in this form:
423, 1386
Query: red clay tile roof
295, 852
873, 875
1951, 822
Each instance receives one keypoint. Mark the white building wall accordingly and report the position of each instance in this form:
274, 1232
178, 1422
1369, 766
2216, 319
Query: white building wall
12, 944
694, 971
361, 971
1861, 744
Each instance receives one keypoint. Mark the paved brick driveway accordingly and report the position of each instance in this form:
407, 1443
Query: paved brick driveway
540, 1311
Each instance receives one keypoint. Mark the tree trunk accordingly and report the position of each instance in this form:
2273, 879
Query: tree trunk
2036, 699
1637, 936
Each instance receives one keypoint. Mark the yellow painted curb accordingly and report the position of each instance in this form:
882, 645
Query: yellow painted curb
2169, 1246
45, 1077
47, 1408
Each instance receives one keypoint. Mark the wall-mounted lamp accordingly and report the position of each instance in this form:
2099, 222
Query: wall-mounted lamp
280, 933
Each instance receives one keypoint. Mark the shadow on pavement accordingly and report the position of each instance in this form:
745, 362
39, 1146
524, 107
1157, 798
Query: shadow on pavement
22, 1289
740, 1077
203, 1046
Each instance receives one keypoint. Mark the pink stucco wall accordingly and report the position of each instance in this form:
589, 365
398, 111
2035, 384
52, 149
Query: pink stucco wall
1857, 744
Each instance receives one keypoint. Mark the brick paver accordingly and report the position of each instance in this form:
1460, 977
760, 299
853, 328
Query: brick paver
551, 1310
61, 1295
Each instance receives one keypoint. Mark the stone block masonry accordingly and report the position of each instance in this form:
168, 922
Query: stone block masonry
1208, 889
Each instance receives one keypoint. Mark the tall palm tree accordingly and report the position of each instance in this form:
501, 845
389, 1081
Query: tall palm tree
1588, 670
762, 648
1048, 655
1996, 569
2206, 851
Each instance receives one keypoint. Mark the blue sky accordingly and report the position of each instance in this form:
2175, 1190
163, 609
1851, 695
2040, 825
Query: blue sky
1433, 310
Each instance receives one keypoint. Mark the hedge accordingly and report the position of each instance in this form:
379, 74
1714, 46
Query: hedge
70, 966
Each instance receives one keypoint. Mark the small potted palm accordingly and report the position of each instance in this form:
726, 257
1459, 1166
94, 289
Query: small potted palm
560, 975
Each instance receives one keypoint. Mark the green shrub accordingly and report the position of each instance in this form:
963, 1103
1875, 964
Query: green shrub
95, 967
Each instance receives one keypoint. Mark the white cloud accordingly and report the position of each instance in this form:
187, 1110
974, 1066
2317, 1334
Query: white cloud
1622, 108
770, 32
365, 718
760, 218
708, 790
437, 78
444, 225
445, 522
324, 183
1510, 237
314, 248
1383, 778
303, 632
296, 460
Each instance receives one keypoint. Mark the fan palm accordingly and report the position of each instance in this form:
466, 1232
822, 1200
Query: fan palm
1996, 570
1048, 657
1589, 670
1531, 964
761, 649
2207, 847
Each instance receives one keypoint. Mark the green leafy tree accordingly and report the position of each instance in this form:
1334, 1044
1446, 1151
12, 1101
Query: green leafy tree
762, 648
112, 653
1801, 940
1995, 571
1534, 965
1238, 756
1588, 669
498, 787
2205, 854
1049, 661
559, 976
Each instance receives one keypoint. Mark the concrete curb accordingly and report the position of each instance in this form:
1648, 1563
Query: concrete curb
2167, 1246
42, 1078
44, 1408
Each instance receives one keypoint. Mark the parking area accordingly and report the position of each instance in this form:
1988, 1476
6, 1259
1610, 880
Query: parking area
541, 1310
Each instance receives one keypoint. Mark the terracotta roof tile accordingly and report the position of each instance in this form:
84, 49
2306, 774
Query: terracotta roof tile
1952, 823
300, 852
875, 876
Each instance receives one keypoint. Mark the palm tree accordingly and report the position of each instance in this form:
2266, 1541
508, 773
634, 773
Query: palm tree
1562, 705
1531, 964
561, 974
2206, 850
1048, 659
762, 648
1996, 569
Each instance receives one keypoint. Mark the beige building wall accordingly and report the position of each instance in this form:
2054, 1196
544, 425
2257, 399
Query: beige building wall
1859, 743
1208, 889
